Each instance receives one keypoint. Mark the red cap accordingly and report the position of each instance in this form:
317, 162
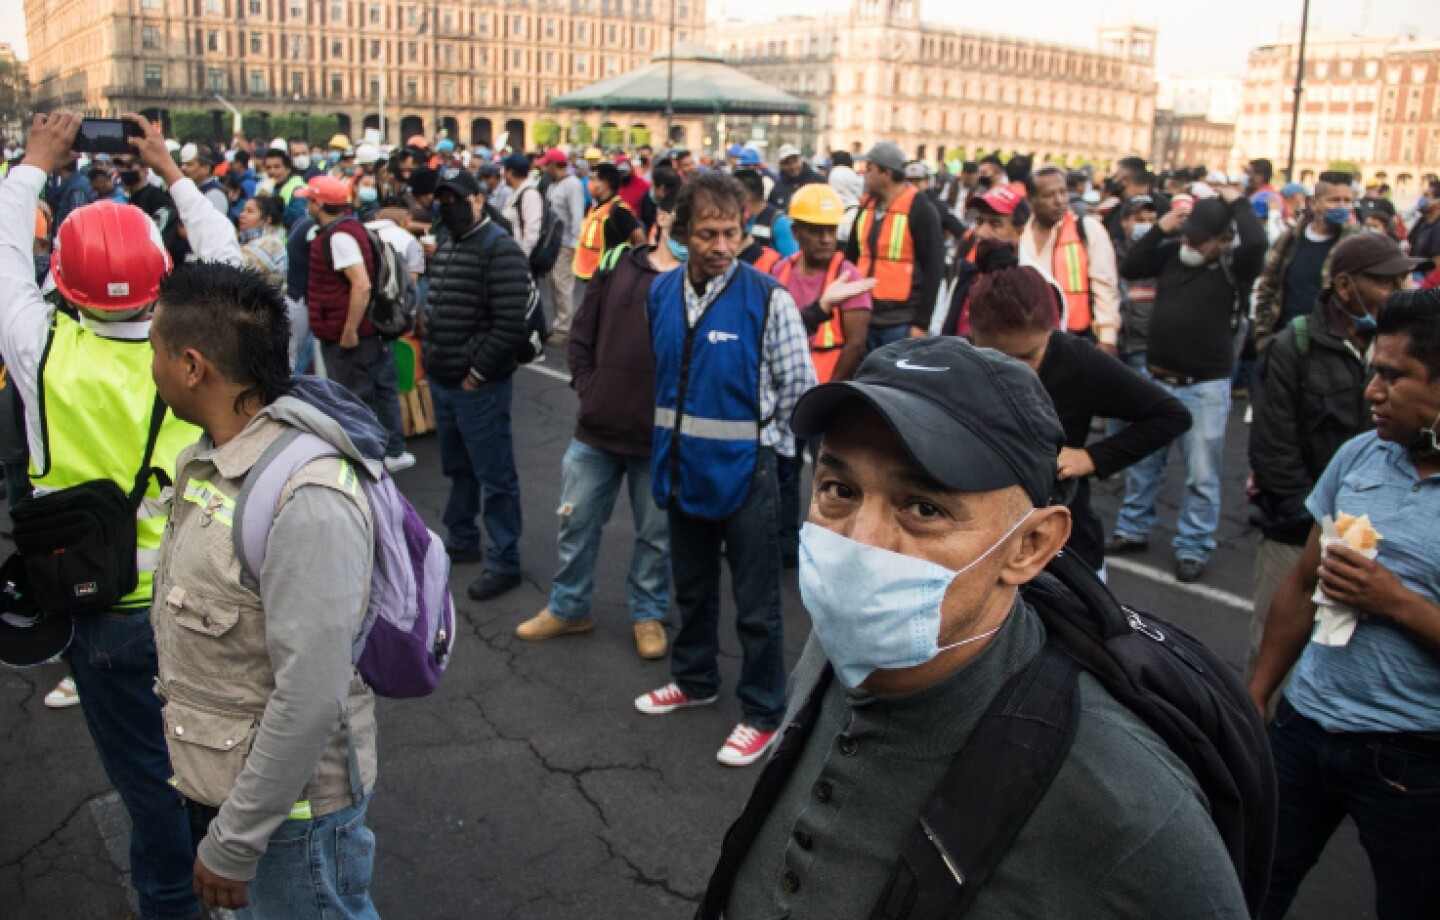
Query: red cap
109, 257
554, 155
325, 190
417, 140
1003, 200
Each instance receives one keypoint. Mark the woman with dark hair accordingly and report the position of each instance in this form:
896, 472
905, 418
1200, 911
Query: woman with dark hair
262, 238
1015, 310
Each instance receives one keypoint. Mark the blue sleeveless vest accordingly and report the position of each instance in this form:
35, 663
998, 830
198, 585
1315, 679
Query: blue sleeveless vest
707, 393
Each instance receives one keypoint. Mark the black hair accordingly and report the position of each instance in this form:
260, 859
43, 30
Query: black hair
666, 182
270, 207
236, 319
95, 173
1418, 314
242, 158
334, 210
993, 159
842, 158
1018, 169
1263, 168
707, 193
750, 180
1433, 186
969, 166
1336, 177
281, 155
1134, 164
1032, 180
608, 173
1007, 296
678, 155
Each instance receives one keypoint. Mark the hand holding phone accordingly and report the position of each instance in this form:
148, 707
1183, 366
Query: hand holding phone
51, 140
105, 135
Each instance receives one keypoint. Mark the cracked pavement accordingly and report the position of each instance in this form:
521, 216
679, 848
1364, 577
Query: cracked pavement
527, 786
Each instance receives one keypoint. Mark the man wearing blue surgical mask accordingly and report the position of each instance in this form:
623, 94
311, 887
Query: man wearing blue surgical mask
1298, 267
931, 510
1309, 398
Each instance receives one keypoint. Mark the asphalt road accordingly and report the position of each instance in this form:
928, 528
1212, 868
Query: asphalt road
528, 786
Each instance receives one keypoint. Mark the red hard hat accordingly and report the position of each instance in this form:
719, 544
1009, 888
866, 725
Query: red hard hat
109, 257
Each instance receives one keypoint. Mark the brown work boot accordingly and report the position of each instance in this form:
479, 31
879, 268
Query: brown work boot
650, 640
546, 625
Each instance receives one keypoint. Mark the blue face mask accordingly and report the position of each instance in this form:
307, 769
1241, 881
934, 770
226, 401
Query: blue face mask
873, 609
1140, 230
1338, 217
678, 250
368, 194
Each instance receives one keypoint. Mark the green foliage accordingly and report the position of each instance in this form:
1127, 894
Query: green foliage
257, 126
192, 125
1349, 166
580, 133
611, 136
546, 133
640, 136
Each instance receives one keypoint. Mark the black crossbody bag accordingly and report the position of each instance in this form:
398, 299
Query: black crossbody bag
79, 543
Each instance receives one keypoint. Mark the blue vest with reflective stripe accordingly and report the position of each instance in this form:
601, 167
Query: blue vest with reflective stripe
707, 393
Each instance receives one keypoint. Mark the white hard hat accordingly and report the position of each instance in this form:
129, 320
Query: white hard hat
366, 153
188, 153
171, 146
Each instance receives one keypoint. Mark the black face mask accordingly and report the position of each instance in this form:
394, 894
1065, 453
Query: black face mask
984, 183
129, 177
457, 216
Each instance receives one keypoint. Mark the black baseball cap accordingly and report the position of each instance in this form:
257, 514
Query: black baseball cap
1372, 254
972, 418
459, 181
28, 635
423, 180
1209, 218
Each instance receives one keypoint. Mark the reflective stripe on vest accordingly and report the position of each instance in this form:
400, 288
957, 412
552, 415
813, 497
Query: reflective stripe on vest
713, 428
591, 246
887, 252
827, 341
214, 504
96, 396
1070, 264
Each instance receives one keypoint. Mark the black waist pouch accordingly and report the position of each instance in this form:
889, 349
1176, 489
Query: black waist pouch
79, 544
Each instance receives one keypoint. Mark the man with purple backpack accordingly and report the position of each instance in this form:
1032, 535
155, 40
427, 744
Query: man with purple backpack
293, 578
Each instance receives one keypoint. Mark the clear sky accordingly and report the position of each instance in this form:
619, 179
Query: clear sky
1195, 37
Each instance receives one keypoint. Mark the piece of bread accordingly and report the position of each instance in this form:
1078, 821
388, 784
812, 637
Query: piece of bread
1359, 533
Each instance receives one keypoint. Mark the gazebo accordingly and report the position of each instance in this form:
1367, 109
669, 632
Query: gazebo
701, 84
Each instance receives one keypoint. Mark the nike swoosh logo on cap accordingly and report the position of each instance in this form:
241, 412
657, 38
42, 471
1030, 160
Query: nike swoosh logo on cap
905, 365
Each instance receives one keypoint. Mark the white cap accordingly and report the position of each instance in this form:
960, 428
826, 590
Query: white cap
786, 152
916, 169
171, 146
188, 153
1202, 190
280, 143
366, 153
1216, 177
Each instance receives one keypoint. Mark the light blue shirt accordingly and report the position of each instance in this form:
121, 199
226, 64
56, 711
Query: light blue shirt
1385, 679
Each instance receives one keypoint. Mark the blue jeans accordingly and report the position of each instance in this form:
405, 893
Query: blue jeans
477, 455
753, 550
1203, 448
387, 399
589, 483
884, 335
1392, 793
113, 662
317, 869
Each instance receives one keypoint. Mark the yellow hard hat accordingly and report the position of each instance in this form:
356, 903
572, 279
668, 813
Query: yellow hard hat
340, 142
819, 204
593, 153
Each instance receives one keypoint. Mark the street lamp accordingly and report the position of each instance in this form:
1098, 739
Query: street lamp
1299, 89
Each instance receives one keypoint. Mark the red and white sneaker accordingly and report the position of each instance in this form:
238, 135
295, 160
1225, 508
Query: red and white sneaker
745, 746
668, 699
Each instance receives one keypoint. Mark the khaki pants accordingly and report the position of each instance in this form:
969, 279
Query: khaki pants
562, 289
1273, 561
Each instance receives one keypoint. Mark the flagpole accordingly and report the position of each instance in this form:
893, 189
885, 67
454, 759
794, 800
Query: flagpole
381, 63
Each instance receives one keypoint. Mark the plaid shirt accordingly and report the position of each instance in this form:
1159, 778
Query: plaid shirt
786, 371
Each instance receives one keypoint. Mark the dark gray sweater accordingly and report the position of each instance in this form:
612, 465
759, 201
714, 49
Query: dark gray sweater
1122, 833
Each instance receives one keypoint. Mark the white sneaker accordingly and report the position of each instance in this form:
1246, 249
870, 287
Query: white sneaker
401, 463
63, 696
1249, 414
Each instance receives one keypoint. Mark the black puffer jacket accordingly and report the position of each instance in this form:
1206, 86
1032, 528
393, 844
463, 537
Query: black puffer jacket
475, 312
1306, 406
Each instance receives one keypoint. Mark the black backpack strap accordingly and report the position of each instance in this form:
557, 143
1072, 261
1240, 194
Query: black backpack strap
988, 794
768, 787
158, 411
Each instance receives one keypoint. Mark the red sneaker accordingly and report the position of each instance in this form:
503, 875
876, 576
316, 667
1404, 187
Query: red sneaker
745, 746
668, 699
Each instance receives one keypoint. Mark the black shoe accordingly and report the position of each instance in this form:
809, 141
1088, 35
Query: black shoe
491, 585
1119, 545
1188, 570
464, 556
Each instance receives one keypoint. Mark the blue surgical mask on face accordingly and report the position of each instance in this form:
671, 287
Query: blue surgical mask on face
1338, 217
678, 250
873, 609
368, 194
1140, 230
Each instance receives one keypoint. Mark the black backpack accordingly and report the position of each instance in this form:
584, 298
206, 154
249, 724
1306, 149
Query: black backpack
552, 234
1166, 677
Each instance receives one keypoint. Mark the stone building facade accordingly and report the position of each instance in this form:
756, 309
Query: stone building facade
1192, 140
940, 92
475, 68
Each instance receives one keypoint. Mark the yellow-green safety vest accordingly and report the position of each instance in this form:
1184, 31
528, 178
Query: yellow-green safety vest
96, 396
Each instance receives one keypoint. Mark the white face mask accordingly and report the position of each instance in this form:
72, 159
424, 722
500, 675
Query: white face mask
1191, 256
873, 609
302, 162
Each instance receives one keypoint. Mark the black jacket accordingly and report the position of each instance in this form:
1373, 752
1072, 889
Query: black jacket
785, 187
1306, 406
475, 312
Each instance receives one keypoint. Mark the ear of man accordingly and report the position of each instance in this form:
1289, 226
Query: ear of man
1040, 539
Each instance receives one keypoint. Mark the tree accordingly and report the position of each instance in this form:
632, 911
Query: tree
257, 125
191, 125
14, 96
580, 133
1346, 166
639, 136
611, 135
546, 133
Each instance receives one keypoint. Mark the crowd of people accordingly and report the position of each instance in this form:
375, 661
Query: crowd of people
959, 357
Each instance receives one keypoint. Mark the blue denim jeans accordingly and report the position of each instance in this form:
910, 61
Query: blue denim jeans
477, 455
316, 870
1391, 792
884, 335
114, 664
589, 483
1203, 448
387, 399
753, 550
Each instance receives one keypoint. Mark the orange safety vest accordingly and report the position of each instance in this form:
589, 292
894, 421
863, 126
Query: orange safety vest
766, 260
826, 343
1070, 265
591, 247
887, 253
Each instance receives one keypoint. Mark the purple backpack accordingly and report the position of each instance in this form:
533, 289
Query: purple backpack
409, 629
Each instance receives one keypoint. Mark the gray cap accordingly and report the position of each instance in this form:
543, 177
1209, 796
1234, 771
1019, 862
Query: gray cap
887, 156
